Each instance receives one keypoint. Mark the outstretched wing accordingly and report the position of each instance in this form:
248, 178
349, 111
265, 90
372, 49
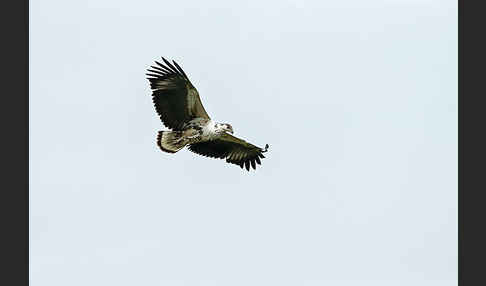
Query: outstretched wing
176, 100
235, 150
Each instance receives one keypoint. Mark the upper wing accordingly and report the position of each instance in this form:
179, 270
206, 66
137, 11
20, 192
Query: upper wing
235, 150
176, 100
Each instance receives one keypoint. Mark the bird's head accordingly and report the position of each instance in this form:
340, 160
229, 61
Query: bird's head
225, 127
228, 128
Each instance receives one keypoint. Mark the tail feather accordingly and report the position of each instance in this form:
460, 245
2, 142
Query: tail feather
170, 141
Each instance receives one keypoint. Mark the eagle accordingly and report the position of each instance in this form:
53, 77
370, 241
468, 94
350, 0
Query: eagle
179, 107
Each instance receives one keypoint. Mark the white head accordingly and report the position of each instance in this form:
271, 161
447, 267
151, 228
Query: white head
224, 127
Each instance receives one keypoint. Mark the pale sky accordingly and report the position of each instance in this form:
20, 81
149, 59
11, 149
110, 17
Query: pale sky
357, 100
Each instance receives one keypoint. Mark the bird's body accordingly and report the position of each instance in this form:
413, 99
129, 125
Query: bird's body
211, 130
178, 104
195, 131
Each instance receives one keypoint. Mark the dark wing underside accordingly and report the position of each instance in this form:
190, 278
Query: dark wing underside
176, 100
235, 150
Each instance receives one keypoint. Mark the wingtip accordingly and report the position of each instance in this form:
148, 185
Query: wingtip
266, 148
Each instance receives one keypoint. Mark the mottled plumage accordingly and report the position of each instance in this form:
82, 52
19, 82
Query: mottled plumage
179, 106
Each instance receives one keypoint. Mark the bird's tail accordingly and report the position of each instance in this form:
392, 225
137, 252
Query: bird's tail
171, 141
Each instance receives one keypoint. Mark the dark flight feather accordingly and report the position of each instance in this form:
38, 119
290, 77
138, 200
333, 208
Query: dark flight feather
176, 100
235, 150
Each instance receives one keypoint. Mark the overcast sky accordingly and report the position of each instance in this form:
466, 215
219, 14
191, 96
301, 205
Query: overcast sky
357, 100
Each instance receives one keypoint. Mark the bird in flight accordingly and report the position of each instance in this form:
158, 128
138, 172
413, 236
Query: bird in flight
179, 107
